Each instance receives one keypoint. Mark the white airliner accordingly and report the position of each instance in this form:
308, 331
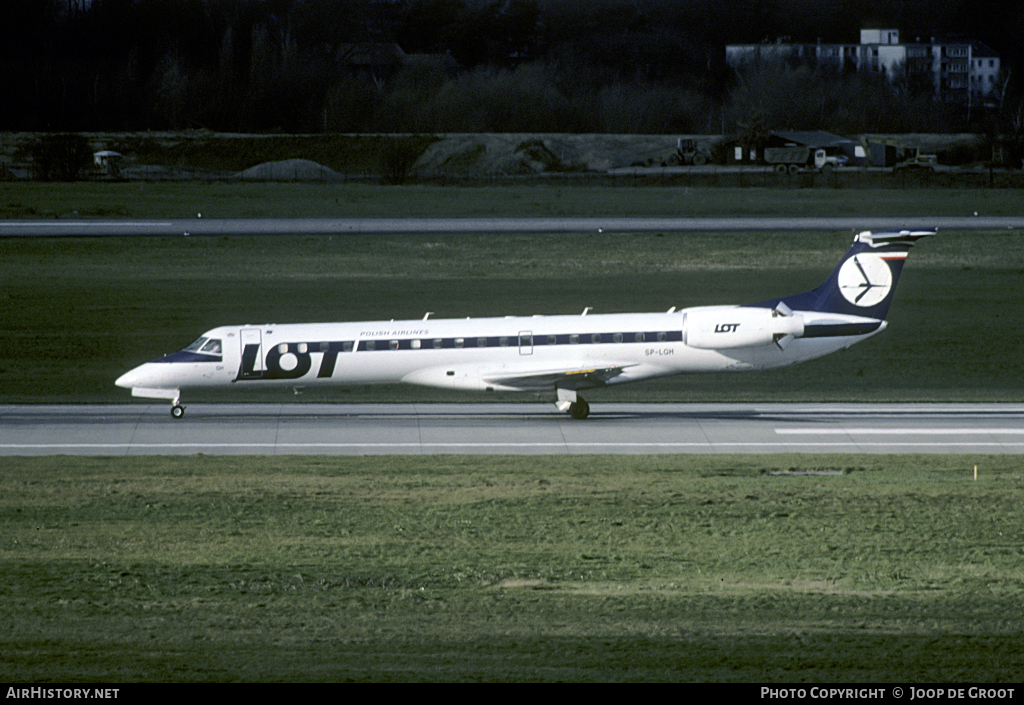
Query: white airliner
554, 355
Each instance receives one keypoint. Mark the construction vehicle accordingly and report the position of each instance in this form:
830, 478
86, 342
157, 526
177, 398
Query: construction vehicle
690, 152
913, 158
790, 160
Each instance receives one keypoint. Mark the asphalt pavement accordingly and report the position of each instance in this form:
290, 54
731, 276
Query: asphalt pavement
508, 429
182, 227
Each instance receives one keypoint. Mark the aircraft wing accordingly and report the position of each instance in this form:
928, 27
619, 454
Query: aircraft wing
546, 380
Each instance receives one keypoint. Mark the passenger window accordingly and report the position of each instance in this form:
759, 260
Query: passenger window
481, 342
438, 342
393, 345
574, 338
639, 337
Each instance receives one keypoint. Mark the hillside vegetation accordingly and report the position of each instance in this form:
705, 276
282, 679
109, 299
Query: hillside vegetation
425, 66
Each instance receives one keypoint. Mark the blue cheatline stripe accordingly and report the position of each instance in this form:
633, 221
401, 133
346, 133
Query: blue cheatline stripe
502, 341
835, 330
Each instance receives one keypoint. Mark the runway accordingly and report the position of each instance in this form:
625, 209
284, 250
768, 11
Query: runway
366, 226
507, 429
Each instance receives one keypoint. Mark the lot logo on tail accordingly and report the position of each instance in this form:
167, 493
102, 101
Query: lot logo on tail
865, 279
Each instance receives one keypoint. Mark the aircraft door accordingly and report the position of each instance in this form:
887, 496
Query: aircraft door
252, 354
526, 342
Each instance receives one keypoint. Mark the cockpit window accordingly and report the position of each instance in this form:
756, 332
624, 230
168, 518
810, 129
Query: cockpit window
212, 347
194, 347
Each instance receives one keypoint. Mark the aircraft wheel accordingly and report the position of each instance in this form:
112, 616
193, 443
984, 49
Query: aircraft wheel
579, 409
177, 411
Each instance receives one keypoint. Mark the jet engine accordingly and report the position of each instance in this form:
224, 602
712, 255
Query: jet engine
724, 327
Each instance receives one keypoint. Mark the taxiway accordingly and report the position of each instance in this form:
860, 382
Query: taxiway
365, 226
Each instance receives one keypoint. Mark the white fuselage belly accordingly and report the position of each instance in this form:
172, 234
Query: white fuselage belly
474, 354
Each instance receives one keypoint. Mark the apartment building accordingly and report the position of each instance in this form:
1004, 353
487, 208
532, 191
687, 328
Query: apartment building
957, 71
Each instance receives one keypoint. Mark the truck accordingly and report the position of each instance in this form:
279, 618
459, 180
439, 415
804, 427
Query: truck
790, 160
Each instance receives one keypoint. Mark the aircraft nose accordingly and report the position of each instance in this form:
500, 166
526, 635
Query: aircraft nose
127, 380
138, 377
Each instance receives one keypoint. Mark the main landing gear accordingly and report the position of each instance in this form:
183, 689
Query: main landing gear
579, 409
177, 410
572, 403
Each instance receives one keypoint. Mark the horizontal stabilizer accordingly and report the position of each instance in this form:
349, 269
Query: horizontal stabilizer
898, 238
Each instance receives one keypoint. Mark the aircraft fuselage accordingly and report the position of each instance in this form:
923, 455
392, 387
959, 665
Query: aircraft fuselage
490, 354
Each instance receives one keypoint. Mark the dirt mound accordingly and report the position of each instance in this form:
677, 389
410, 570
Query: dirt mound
289, 170
513, 154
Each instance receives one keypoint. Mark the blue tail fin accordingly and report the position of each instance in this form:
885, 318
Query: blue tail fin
863, 282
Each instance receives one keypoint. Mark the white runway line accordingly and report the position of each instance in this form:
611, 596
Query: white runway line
899, 431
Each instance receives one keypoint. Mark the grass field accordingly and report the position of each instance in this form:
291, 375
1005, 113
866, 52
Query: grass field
892, 569
290, 200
